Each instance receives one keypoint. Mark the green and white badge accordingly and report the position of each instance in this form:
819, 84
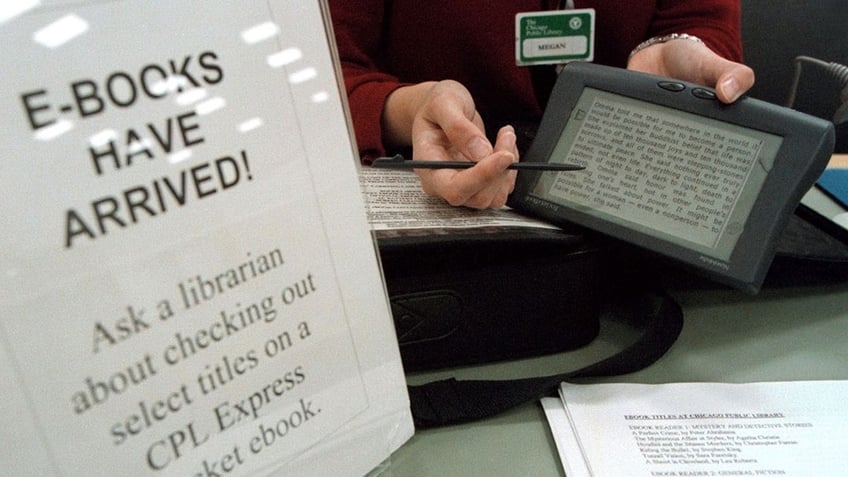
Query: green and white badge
554, 37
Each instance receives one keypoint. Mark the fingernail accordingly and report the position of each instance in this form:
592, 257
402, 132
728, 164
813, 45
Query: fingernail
479, 148
730, 87
509, 131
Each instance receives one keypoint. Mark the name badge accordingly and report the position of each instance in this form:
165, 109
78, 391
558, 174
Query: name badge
543, 38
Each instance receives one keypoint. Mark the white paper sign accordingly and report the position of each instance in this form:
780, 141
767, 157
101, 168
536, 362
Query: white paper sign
188, 286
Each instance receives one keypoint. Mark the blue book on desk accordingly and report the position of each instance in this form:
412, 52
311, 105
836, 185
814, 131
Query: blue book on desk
826, 204
834, 182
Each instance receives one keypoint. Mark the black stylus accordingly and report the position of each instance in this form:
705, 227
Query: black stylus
398, 162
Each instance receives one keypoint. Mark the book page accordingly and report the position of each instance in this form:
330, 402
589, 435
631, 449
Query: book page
188, 282
396, 201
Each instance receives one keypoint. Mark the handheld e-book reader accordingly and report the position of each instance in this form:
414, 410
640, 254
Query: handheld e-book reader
671, 169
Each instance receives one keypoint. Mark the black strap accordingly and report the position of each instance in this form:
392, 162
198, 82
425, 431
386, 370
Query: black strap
449, 401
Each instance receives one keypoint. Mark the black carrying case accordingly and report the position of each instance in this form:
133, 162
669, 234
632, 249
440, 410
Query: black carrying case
462, 297
470, 296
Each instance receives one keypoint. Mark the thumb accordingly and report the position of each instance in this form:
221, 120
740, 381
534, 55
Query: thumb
477, 148
731, 79
466, 135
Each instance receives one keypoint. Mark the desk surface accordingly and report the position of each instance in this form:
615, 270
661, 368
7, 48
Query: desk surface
780, 334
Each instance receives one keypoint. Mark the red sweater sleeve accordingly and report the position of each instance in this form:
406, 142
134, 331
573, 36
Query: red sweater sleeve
358, 28
716, 22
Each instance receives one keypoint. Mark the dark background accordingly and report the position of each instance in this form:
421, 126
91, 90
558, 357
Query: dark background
775, 32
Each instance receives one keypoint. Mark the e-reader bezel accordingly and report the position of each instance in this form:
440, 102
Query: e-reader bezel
807, 143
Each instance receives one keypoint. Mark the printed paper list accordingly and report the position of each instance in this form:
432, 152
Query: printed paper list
681, 440
702, 429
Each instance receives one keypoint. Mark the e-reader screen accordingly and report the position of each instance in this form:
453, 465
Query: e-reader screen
671, 169
661, 170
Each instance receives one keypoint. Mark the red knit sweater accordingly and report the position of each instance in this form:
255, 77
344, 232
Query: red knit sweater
384, 44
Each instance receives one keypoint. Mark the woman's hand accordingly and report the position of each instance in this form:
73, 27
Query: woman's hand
693, 61
440, 122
